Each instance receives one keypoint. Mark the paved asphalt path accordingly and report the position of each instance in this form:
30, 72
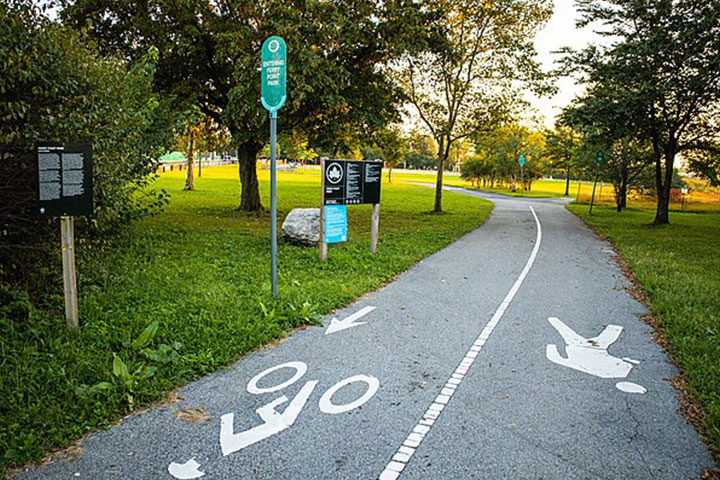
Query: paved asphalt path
450, 377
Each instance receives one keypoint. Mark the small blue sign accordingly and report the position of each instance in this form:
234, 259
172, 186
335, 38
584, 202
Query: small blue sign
521, 160
335, 217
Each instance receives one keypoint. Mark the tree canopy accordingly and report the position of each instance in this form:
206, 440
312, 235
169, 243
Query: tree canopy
659, 81
210, 56
469, 81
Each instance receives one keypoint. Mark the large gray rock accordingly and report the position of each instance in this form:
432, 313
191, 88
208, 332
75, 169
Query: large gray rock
302, 226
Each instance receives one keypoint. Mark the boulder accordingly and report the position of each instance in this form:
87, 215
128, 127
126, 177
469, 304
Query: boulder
302, 226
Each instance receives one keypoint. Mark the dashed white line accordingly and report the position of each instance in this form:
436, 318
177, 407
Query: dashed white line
403, 454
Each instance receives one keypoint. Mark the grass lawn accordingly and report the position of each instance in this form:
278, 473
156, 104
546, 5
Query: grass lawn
679, 267
181, 294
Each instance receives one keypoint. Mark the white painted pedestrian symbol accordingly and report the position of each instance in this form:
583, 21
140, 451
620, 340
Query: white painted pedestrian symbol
334, 173
274, 421
590, 355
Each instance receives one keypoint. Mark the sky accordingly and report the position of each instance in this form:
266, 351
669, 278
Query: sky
559, 32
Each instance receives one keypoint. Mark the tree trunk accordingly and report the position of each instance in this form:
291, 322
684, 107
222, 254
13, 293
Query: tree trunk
390, 174
622, 193
247, 163
439, 185
443, 154
189, 179
662, 214
567, 182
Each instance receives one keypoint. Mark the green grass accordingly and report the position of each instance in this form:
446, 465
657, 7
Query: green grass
199, 274
678, 265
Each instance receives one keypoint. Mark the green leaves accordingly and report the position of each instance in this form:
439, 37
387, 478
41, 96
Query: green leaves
146, 336
119, 369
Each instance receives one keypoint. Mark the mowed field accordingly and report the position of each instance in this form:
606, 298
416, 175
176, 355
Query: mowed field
540, 188
183, 293
700, 198
678, 265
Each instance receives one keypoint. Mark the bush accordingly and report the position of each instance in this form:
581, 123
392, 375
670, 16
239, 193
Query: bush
55, 86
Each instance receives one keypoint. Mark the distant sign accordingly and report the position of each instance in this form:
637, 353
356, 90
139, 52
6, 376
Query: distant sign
65, 179
335, 219
599, 158
352, 183
273, 73
521, 160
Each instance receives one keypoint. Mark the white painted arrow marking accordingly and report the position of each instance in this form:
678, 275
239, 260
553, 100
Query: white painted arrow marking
338, 325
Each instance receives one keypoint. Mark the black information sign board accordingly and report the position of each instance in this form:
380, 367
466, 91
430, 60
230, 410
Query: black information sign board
349, 182
65, 180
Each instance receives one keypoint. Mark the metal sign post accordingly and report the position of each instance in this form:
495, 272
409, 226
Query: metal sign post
599, 160
65, 190
322, 246
272, 95
521, 161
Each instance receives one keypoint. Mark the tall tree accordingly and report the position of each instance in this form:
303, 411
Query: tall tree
210, 56
501, 149
420, 151
561, 145
469, 81
393, 146
627, 156
661, 77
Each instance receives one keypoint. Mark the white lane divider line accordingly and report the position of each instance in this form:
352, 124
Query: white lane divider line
403, 454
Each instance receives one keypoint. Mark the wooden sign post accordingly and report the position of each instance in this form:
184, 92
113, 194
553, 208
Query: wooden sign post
67, 234
65, 190
374, 228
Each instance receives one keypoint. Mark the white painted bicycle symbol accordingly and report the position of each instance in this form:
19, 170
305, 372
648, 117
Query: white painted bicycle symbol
274, 421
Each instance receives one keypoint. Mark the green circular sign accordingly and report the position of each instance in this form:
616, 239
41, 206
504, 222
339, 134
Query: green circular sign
599, 158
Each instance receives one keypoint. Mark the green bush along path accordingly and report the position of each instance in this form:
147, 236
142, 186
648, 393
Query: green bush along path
678, 265
186, 292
